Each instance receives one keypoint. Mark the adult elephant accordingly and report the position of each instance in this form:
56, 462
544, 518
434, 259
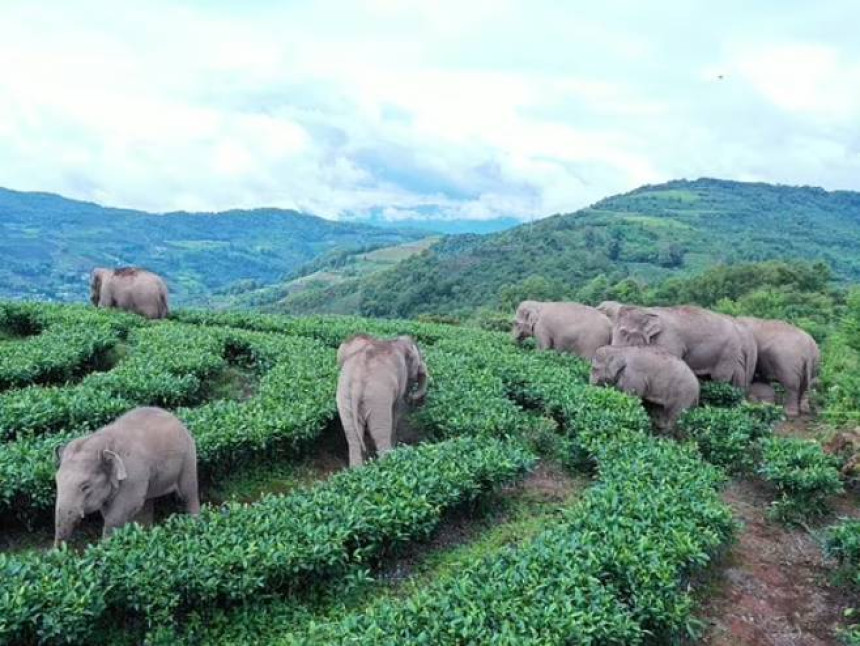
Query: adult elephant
377, 380
713, 345
131, 289
610, 309
788, 355
566, 327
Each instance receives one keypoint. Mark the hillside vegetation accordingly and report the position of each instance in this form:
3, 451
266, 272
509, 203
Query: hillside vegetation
655, 232
49, 244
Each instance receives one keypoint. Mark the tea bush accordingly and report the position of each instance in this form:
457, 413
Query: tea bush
613, 570
843, 543
233, 552
803, 475
720, 393
728, 437
167, 366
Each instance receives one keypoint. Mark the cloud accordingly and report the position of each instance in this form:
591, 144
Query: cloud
478, 109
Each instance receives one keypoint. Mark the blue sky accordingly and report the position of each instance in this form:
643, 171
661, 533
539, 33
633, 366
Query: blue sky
464, 108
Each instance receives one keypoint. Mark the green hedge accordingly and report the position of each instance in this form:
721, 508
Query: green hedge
293, 403
60, 344
615, 569
803, 475
728, 437
237, 551
167, 366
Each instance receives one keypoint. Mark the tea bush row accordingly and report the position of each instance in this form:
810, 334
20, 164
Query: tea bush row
803, 475
167, 366
59, 344
614, 569
235, 552
293, 403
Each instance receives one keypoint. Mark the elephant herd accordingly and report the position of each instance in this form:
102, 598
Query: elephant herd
656, 353
660, 353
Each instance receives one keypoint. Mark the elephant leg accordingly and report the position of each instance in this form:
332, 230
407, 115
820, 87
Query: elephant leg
805, 407
381, 425
792, 401
146, 514
354, 444
187, 488
124, 508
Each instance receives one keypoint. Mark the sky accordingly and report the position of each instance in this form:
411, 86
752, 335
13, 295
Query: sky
411, 108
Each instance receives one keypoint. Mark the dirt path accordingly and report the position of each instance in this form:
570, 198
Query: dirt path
774, 587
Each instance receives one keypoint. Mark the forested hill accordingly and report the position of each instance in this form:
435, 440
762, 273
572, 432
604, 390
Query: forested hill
49, 244
655, 231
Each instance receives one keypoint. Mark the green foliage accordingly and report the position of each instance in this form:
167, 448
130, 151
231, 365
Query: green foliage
843, 543
50, 244
840, 374
720, 393
610, 571
233, 552
728, 437
616, 247
803, 474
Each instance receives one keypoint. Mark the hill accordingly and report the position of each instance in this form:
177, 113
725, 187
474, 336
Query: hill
49, 244
311, 286
654, 232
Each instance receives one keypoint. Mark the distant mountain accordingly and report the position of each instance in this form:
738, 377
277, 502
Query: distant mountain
49, 244
677, 228
450, 227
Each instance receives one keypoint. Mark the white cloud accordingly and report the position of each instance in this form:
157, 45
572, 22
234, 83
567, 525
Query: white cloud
474, 109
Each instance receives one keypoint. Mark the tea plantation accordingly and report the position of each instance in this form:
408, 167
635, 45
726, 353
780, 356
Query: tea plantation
617, 565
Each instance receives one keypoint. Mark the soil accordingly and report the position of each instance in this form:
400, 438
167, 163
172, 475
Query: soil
775, 587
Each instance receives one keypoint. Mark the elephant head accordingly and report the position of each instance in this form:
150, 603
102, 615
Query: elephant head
525, 321
610, 309
636, 326
606, 366
86, 478
416, 368
96, 279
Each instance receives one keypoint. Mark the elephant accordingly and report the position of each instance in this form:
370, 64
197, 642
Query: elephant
131, 289
610, 309
761, 392
378, 379
666, 384
788, 355
566, 327
713, 345
117, 470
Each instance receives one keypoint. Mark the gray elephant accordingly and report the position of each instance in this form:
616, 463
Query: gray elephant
713, 345
131, 289
788, 355
666, 384
566, 327
761, 392
119, 469
610, 309
378, 379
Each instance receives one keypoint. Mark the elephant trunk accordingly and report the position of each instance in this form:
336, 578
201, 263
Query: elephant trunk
421, 390
66, 519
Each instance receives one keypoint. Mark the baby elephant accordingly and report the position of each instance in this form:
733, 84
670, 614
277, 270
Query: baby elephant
761, 393
117, 470
666, 384
376, 382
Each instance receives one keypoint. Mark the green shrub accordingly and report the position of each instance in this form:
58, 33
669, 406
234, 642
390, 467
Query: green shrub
719, 393
803, 475
728, 437
843, 543
236, 551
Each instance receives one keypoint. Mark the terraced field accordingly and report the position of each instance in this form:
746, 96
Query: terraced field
527, 508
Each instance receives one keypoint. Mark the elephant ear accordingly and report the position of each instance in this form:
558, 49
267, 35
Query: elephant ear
96, 285
527, 314
58, 454
114, 466
416, 368
652, 327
